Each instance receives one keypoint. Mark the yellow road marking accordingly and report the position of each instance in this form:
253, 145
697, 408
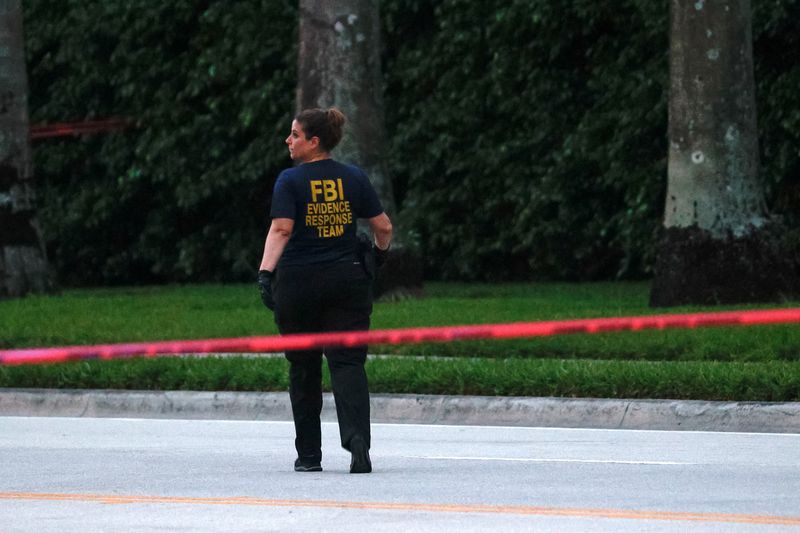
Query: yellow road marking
410, 506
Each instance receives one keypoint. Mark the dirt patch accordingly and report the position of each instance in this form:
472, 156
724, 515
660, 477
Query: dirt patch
693, 267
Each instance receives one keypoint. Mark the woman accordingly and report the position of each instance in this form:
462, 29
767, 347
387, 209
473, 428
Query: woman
313, 262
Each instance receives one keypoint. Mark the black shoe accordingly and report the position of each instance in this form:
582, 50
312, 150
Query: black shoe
307, 466
359, 463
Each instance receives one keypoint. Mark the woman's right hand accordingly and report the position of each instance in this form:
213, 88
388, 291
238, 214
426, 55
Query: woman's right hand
265, 287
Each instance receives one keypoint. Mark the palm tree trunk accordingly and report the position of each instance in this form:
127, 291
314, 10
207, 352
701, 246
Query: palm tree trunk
23, 263
339, 65
718, 242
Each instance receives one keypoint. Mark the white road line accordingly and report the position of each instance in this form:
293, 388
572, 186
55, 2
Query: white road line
598, 430
538, 460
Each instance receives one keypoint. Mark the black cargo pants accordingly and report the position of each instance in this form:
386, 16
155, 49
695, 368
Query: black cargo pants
333, 297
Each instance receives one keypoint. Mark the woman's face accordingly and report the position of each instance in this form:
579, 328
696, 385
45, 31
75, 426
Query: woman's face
300, 148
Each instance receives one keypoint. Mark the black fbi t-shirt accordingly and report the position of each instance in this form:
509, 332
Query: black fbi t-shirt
324, 198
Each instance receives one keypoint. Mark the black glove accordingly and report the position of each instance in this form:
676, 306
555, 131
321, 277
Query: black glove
265, 286
381, 255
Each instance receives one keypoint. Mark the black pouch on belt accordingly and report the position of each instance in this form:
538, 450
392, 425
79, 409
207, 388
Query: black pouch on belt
366, 254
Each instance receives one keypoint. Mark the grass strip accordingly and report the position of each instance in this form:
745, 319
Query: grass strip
693, 380
92, 316
758, 363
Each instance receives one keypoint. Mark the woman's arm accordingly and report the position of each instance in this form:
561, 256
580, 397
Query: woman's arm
382, 229
279, 233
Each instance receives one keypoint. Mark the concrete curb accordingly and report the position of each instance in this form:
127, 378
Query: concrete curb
766, 417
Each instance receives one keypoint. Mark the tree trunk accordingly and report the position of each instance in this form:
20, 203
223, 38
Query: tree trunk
23, 263
339, 65
718, 244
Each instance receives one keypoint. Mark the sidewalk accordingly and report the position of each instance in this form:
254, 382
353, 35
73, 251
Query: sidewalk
760, 417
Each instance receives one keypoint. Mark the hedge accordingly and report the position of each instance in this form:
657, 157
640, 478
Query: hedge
527, 139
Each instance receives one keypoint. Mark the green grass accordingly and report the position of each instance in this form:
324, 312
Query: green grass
203, 311
707, 380
745, 363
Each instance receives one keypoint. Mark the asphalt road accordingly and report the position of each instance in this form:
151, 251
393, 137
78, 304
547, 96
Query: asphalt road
92, 474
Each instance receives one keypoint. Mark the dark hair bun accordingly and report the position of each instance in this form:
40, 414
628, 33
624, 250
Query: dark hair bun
327, 124
336, 118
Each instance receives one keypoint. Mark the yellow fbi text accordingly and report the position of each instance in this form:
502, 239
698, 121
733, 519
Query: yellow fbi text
328, 211
330, 190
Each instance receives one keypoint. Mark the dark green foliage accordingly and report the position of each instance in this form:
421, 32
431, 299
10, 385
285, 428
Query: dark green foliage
777, 39
531, 135
542, 143
184, 193
527, 138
